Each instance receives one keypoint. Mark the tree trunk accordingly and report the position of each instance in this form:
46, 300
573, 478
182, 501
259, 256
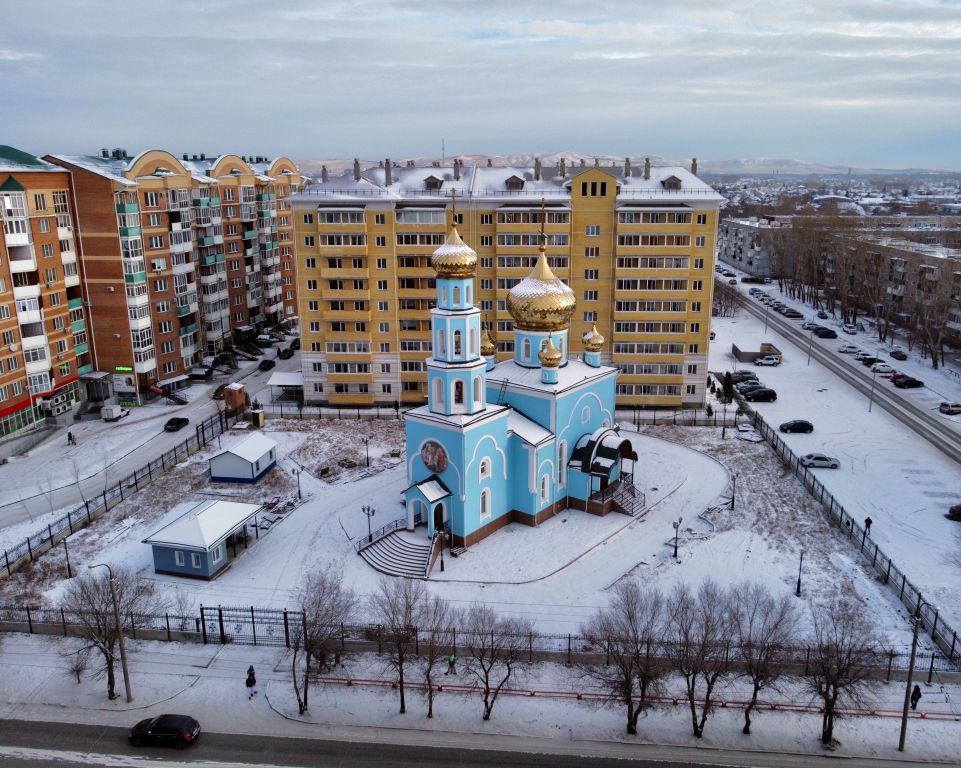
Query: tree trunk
400, 672
750, 708
631, 717
111, 678
430, 694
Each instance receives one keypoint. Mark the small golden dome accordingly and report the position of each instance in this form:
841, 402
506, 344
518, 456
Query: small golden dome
541, 302
488, 347
593, 341
550, 356
454, 258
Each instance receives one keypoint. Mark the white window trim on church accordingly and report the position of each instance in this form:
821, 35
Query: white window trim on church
545, 488
485, 504
485, 468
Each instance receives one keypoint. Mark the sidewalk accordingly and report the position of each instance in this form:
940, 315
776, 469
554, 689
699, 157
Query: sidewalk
208, 683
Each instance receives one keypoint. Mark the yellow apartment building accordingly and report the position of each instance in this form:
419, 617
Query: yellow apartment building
636, 245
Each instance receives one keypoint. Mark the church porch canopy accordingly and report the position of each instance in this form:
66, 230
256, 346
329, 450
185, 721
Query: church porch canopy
430, 491
598, 453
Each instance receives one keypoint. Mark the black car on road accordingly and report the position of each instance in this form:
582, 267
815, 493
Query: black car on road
176, 424
825, 333
798, 425
908, 383
266, 365
761, 395
166, 731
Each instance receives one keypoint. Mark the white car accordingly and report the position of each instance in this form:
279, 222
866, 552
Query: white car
848, 349
950, 409
848, 328
819, 460
767, 360
881, 368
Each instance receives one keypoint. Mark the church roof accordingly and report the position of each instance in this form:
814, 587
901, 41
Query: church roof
529, 431
568, 376
432, 489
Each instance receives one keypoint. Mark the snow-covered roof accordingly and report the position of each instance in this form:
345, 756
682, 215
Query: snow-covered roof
529, 431
570, 375
251, 449
205, 525
107, 167
286, 379
13, 160
433, 489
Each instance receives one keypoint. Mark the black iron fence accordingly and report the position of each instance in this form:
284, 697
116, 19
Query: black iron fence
293, 410
280, 628
944, 636
689, 417
95, 506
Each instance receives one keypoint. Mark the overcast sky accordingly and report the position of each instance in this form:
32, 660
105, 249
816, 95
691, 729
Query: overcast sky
866, 83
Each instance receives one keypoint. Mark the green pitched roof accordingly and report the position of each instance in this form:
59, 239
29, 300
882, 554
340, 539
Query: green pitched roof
11, 185
13, 155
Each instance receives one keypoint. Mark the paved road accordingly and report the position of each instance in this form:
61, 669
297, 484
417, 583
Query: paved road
58, 744
931, 427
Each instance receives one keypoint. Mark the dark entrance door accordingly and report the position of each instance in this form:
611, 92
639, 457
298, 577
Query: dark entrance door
439, 517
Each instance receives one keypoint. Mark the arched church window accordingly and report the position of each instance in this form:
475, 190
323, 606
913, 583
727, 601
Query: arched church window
478, 390
439, 391
545, 489
485, 468
527, 349
562, 462
441, 344
456, 296
485, 504
459, 392
585, 414
468, 292
457, 344
443, 295
473, 342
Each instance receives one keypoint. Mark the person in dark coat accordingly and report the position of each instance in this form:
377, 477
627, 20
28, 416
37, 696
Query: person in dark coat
251, 683
915, 696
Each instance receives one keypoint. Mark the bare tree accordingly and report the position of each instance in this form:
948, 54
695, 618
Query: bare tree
436, 640
765, 628
495, 649
398, 606
844, 647
700, 637
629, 628
77, 662
88, 598
326, 605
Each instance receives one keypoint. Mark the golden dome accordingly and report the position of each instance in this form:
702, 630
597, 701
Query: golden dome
488, 347
593, 341
454, 258
550, 356
541, 302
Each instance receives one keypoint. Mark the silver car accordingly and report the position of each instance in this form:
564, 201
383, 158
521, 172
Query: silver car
819, 460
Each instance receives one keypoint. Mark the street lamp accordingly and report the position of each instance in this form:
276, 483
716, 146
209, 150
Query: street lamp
676, 524
733, 489
874, 377
370, 512
296, 473
367, 449
116, 616
797, 592
907, 689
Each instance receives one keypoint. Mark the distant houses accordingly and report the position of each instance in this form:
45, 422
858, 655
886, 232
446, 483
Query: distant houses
246, 462
201, 543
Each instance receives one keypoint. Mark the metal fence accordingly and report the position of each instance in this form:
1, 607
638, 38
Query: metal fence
75, 519
944, 636
275, 627
293, 410
690, 417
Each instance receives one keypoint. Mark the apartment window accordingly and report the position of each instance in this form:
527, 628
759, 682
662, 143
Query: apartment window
179, 557
592, 252
50, 275
693, 348
590, 317
154, 220
384, 327
239, 317
590, 295
314, 326
160, 284
590, 274
309, 241
698, 263
385, 389
699, 241
379, 219
593, 189
170, 367
702, 218
487, 241
311, 285
381, 285
692, 369
233, 247
592, 230
310, 263
382, 264
5, 314
167, 348
151, 200
313, 305
47, 251
697, 285
487, 262
195, 559
385, 367
165, 327
338, 326
691, 389
155, 242
308, 218
695, 327
487, 285
382, 306
360, 327
55, 299
8, 337
486, 218
385, 346
380, 241
40, 201
695, 306
44, 226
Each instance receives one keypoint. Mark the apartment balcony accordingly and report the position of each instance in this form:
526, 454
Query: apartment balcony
64, 233
214, 332
130, 231
276, 307
26, 291
188, 329
183, 247
253, 300
140, 323
135, 277
211, 279
24, 317
189, 349
184, 268
266, 196
186, 309
78, 325
79, 349
205, 241
83, 370
248, 212
20, 264
145, 366
32, 367
257, 318
138, 301
127, 208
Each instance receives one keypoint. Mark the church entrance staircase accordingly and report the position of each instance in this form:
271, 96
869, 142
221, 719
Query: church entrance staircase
396, 555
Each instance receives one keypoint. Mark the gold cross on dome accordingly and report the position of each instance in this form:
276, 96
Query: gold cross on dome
453, 207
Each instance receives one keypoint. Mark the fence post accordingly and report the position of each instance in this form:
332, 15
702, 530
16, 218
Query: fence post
203, 624
453, 636
70, 522
378, 639
29, 549
87, 505
220, 621
63, 621
167, 620
343, 637
133, 627
951, 652
890, 662
875, 558
530, 646
29, 620
286, 630
6, 558
568, 649
887, 575
931, 668
903, 580
163, 463
807, 659
120, 486
105, 507
253, 624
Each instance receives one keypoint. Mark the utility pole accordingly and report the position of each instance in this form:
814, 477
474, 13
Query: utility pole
116, 616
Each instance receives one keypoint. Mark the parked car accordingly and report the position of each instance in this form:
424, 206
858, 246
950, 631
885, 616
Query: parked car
285, 354
810, 325
861, 354
295, 344
819, 460
848, 349
825, 333
176, 424
266, 365
728, 273
908, 382
732, 281
748, 386
743, 375
792, 313
898, 375
798, 425
761, 395
951, 409
165, 730
822, 314
265, 340
848, 328
881, 367
954, 513
869, 361
767, 360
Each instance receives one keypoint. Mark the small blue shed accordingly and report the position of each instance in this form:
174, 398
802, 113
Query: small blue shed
246, 462
202, 542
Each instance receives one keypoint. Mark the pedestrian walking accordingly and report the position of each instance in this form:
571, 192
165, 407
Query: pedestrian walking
867, 524
251, 683
915, 696
71, 440
450, 665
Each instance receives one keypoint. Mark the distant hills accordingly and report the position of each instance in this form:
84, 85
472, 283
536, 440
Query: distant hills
744, 166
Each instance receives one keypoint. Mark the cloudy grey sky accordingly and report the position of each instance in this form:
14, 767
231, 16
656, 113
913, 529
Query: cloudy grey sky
868, 83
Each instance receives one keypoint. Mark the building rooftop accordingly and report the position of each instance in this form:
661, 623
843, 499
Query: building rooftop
250, 449
13, 160
576, 372
204, 525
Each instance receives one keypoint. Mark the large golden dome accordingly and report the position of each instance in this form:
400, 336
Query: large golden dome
454, 258
488, 347
541, 302
593, 341
550, 356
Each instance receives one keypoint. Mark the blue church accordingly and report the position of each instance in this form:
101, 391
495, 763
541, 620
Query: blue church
518, 440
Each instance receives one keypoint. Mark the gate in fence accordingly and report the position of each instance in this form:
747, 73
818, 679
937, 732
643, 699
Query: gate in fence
247, 626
